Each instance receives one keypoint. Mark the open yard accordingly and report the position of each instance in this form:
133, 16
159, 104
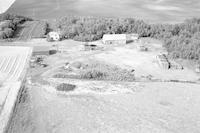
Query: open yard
150, 102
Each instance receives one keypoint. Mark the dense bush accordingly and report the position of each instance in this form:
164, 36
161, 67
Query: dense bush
65, 87
181, 40
98, 71
16, 19
2, 35
101, 71
8, 24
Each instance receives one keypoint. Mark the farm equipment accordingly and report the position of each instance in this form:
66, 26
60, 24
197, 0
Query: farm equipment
143, 48
37, 61
197, 69
163, 61
91, 47
174, 65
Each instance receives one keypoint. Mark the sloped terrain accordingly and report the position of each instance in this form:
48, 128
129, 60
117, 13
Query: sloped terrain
13, 66
146, 104
13, 61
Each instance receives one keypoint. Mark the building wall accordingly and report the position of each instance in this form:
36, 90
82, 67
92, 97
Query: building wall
115, 41
35, 53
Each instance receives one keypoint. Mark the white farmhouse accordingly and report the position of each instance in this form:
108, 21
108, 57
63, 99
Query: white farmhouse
114, 39
53, 36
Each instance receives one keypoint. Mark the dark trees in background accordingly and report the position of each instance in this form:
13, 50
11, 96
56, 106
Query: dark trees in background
181, 40
9, 24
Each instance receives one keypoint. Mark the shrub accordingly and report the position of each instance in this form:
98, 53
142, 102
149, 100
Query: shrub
101, 71
93, 74
65, 87
10, 23
8, 32
2, 35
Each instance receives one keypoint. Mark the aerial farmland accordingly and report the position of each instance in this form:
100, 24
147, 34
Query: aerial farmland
13, 67
94, 66
117, 81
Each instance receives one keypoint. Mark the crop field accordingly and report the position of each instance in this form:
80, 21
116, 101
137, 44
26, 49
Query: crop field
13, 62
31, 29
150, 10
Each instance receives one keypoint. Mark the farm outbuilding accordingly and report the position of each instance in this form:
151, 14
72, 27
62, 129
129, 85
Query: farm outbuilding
41, 50
89, 47
114, 39
132, 37
53, 36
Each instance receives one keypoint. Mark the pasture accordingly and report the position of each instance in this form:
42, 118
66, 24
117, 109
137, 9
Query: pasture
31, 29
165, 11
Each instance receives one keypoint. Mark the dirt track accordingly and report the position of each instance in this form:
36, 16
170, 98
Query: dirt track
156, 108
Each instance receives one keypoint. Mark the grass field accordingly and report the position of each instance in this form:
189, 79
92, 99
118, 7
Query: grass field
149, 10
31, 29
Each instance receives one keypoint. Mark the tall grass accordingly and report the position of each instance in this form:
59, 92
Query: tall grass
101, 71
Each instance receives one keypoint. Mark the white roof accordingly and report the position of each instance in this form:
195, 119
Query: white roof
114, 37
134, 35
53, 33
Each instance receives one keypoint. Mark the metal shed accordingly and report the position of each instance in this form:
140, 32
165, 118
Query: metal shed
41, 50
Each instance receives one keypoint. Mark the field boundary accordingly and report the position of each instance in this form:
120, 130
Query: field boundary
13, 96
9, 105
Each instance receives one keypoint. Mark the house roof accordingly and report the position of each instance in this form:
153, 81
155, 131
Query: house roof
53, 33
114, 37
132, 36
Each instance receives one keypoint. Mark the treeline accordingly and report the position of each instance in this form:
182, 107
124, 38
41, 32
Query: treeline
8, 24
91, 28
181, 40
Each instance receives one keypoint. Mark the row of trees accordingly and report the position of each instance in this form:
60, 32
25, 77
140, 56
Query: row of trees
8, 24
181, 40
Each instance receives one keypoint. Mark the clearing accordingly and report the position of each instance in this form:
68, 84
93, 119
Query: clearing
153, 103
30, 29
